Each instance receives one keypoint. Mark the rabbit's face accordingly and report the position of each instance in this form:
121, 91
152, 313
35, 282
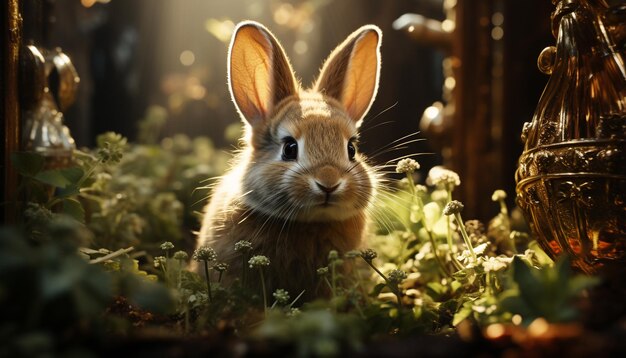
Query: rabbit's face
309, 155
302, 159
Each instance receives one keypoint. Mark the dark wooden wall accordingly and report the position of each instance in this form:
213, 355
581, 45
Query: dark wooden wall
489, 113
494, 100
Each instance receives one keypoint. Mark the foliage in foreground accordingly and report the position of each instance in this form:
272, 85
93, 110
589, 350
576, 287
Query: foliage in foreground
427, 270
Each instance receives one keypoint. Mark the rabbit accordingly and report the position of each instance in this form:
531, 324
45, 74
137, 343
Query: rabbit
298, 188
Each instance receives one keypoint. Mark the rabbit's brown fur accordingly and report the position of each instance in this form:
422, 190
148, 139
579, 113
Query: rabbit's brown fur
282, 206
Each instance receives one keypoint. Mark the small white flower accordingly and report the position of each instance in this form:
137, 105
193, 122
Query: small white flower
333, 255
204, 253
528, 256
181, 255
243, 246
221, 267
421, 190
407, 165
453, 207
396, 276
368, 255
441, 177
493, 264
281, 296
159, 261
258, 261
498, 195
466, 256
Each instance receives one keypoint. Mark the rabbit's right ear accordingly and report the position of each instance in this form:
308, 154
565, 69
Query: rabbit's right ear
259, 73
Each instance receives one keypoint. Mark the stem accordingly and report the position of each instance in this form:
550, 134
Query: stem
166, 272
334, 278
88, 174
186, 318
513, 244
488, 283
243, 270
456, 262
359, 281
208, 280
434, 245
329, 285
358, 308
409, 177
166, 275
407, 226
503, 209
392, 287
465, 236
296, 299
180, 274
420, 205
449, 233
263, 290
219, 278
53, 202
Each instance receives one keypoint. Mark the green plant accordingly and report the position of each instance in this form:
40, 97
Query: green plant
52, 300
426, 270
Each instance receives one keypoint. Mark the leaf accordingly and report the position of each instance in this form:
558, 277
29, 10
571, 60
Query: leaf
27, 163
53, 177
68, 191
530, 287
435, 289
441, 227
415, 215
432, 212
377, 289
581, 282
510, 301
463, 313
540, 255
61, 177
149, 296
455, 285
74, 208
73, 174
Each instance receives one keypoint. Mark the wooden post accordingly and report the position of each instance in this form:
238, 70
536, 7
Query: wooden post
11, 25
472, 146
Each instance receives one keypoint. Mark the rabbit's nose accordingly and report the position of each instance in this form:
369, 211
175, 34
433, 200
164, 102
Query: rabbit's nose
326, 189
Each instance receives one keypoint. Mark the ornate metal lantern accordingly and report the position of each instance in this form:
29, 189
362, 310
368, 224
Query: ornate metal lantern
571, 179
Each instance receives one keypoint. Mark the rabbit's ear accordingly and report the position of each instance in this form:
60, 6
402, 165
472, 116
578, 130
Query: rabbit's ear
259, 74
351, 73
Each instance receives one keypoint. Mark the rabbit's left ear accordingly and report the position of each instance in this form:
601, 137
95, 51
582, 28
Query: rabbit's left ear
352, 71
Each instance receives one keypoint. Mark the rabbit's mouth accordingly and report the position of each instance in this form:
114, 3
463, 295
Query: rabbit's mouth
329, 200
327, 204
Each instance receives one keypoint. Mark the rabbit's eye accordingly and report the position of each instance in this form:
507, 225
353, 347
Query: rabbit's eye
290, 149
351, 150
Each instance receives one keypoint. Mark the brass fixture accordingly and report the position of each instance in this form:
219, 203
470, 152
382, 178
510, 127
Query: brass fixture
437, 119
44, 131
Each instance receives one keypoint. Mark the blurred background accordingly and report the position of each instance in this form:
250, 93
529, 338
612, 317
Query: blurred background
462, 72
